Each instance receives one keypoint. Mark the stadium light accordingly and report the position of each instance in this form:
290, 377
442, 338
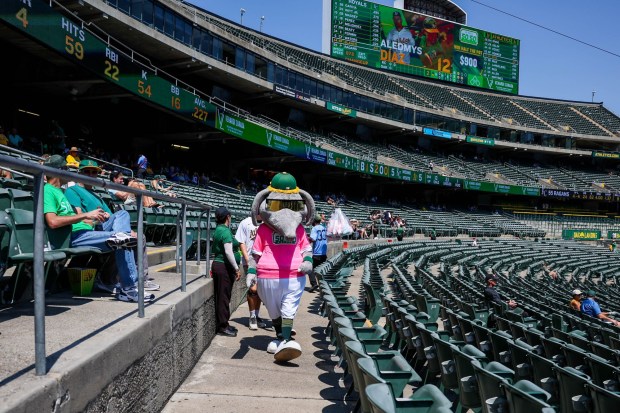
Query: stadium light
593, 93
262, 19
242, 11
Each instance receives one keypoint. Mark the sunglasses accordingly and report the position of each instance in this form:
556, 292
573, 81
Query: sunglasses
274, 205
90, 172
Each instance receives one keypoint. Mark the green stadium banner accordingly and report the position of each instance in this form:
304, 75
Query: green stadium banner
480, 141
613, 234
341, 109
581, 234
608, 155
70, 39
251, 132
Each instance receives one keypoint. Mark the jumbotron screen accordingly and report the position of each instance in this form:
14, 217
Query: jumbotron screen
383, 37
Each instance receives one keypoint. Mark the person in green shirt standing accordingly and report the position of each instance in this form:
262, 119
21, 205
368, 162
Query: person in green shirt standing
225, 270
59, 213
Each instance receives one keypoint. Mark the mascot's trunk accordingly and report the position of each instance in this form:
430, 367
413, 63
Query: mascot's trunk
284, 222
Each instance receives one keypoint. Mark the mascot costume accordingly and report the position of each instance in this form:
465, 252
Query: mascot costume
281, 257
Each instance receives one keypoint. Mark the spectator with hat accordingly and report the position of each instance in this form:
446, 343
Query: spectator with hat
3, 139
58, 213
590, 307
83, 198
490, 293
225, 270
575, 302
73, 157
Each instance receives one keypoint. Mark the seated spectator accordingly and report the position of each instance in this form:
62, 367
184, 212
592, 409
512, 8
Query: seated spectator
575, 302
59, 213
590, 307
5, 174
84, 199
157, 184
555, 277
73, 158
127, 197
491, 295
15, 140
3, 139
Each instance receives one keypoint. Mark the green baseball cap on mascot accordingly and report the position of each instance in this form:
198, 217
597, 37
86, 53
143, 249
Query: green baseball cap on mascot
284, 193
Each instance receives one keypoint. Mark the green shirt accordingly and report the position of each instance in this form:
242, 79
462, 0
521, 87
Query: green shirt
85, 199
55, 201
223, 235
400, 231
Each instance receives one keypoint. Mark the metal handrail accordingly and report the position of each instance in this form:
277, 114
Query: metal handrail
116, 166
39, 227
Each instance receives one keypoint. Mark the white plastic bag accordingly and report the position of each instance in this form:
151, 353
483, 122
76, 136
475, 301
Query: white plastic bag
338, 224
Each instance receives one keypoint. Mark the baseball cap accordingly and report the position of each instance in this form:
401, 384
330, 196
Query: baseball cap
74, 149
491, 277
89, 164
221, 213
396, 13
55, 161
318, 218
577, 292
591, 293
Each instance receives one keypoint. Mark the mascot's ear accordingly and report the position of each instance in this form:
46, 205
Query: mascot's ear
258, 199
309, 206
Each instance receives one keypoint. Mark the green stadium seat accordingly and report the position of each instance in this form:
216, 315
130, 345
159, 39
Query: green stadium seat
426, 399
20, 225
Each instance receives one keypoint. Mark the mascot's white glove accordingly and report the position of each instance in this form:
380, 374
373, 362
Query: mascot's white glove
250, 280
306, 265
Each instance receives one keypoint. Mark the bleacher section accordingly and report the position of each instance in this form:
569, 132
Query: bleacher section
535, 113
419, 334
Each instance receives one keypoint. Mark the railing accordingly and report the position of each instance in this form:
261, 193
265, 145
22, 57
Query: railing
38, 171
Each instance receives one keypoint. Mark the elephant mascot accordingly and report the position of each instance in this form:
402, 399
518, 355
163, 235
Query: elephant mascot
281, 257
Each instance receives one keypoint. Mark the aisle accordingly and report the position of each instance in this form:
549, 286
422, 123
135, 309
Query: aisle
237, 374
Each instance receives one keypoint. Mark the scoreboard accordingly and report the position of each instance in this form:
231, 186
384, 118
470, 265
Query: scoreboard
68, 37
386, 38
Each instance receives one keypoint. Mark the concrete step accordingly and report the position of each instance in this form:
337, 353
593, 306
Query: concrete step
158, 255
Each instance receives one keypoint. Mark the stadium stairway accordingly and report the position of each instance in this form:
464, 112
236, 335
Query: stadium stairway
100, 355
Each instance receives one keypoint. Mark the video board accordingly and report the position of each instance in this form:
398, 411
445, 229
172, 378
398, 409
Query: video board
386, 38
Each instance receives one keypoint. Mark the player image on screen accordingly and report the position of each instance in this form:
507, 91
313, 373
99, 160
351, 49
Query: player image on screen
399, 42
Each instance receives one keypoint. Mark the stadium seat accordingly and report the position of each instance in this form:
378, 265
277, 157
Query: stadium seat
426, 399
20, 225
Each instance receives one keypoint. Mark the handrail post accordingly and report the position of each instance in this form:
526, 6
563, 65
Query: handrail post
183, 241
208, 251
39, 278
177, 242
140, 263
199, 242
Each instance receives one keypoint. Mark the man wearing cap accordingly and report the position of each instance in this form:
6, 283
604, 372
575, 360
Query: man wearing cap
492, 296
590, 307
73, 159
400, 39
59, 213
84, 199
3, 139
225, 270
318, 236
575, 302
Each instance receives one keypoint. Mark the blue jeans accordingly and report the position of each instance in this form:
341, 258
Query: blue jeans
125, 261
118, 222
121, 222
